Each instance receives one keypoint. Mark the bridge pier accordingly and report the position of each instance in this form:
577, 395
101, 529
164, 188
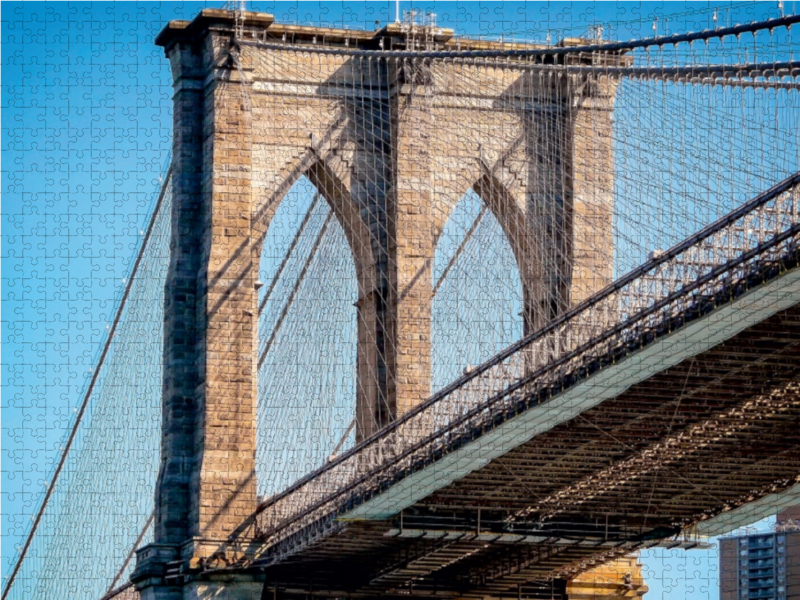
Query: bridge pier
192, 573
232, 587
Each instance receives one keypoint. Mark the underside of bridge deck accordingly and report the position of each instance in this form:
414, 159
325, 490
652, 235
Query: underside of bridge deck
706, 435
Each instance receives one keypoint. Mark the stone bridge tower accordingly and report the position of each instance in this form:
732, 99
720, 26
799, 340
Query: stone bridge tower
392, 140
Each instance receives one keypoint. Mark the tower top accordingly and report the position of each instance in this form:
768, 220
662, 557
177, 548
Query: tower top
405, 35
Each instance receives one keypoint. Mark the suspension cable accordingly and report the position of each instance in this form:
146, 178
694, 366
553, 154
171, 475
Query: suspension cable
295, 289
95, 376
460, 248
288, 254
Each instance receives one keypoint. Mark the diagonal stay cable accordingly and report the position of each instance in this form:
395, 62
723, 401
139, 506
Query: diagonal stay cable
343, 439
460, 249
288, 254
118, 591
95, 377
295, 289
631, 276
133, 549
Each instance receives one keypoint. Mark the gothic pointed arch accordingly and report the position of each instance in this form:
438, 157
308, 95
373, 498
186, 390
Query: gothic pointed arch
328, 176
507, 206
308, 338
477, 290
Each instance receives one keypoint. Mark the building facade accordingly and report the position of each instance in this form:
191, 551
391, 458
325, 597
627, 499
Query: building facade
762, 566
622, 578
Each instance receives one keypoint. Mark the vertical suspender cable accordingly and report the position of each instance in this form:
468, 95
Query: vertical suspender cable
288, 254
292, 296
95, 377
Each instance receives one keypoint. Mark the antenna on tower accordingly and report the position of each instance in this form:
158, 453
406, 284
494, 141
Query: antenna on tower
238, 7
396, 11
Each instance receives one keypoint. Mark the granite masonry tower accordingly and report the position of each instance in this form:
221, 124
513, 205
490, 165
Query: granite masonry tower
392, 141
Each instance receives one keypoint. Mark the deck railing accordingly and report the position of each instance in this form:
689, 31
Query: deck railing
712, 267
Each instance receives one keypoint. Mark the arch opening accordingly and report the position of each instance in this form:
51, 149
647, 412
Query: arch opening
307, 341
477, 288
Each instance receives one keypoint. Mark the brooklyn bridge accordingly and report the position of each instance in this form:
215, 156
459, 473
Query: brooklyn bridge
420, 315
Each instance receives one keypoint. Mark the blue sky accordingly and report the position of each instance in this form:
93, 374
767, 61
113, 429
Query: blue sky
86, 131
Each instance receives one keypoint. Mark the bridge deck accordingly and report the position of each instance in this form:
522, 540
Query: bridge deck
625, 422
709, 433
